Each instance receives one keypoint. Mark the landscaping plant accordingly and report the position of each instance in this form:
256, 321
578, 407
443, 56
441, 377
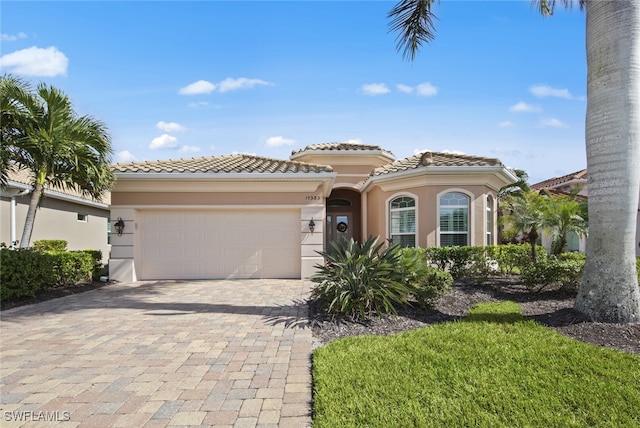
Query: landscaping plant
360, 279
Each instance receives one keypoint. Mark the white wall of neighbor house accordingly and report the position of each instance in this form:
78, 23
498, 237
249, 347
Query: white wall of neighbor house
58, 219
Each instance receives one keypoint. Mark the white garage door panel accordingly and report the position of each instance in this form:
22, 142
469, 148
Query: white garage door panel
219, 244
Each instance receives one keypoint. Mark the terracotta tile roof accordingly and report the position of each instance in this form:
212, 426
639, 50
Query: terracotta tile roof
435, 159
556, 181
240, 163
342, 147
23, 176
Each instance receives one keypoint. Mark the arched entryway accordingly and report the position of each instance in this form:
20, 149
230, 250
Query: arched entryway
344, 215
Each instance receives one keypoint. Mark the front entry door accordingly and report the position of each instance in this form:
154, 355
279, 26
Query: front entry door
339, 227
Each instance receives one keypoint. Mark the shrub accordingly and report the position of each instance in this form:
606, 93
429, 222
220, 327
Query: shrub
50, 245
359, 280
455, 260
25, 272
98, 268
428, 283
514, 258
551, 270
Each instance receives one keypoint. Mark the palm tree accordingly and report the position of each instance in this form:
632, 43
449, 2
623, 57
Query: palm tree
12, 124
563, 214
59, 148
525, 212
609, 288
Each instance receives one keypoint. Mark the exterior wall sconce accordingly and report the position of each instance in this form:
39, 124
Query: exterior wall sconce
119, 226
312, 226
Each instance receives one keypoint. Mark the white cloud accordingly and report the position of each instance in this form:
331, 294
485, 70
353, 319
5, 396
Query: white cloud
189, 149
230, 84
426, 89
353, 141
453, 152
12, 37
198, 104
553, 123
506, 124
522, 107
404, 88
35, 61
375, 89
169, 126
125, 156
165, 141
279, 141
542, 91
199, 87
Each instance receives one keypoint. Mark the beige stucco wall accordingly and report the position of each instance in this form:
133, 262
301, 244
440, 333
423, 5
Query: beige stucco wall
57, 219
427, 197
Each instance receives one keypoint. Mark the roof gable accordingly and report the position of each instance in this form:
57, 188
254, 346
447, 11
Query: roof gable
435, 159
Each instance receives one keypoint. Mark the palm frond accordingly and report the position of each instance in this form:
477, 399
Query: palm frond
413, 20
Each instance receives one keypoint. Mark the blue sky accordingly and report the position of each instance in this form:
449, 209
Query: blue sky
183, 79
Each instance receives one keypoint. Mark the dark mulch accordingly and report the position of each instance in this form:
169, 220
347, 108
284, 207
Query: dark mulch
552, 308
54, 293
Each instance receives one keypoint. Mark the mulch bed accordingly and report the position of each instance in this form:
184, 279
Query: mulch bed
552, 308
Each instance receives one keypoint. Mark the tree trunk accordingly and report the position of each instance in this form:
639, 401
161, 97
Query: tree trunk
31, 216
609, 289
533, 240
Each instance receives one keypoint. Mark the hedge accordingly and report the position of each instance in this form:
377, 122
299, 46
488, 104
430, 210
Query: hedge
25, 272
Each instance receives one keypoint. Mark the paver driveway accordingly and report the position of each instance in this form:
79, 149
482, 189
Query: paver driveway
155, 354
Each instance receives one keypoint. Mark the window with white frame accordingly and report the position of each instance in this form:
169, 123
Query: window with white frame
82, 217
489, 220
402, 219
454, 219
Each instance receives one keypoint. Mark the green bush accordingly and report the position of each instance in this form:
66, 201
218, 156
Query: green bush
98, 268
50, 245
565, 272
428, 283
360, 280
455, 260
514, 258
25, 272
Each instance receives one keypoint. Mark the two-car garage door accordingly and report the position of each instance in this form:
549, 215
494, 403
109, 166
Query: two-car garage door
208, 244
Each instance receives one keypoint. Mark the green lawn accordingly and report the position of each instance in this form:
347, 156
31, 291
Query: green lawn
493, 369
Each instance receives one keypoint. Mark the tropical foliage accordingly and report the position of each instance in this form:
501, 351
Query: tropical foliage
609, 290
42, 134
364, 279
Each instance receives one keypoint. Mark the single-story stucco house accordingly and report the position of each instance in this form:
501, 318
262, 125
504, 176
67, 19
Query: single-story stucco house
81, 221
246, 216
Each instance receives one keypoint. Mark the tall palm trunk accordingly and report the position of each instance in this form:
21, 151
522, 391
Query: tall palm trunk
31, 215
609, 289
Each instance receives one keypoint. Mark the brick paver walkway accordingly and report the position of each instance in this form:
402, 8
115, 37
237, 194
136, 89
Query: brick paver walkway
156, 354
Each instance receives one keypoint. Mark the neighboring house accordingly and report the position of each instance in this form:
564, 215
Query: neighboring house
578, 181
67, 215
245, 216
574, 183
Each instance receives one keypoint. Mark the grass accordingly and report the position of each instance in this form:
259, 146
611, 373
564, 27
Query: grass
493, 369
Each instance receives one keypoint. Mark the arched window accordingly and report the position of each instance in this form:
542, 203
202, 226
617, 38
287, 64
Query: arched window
454, 219
402, 219
489, 220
